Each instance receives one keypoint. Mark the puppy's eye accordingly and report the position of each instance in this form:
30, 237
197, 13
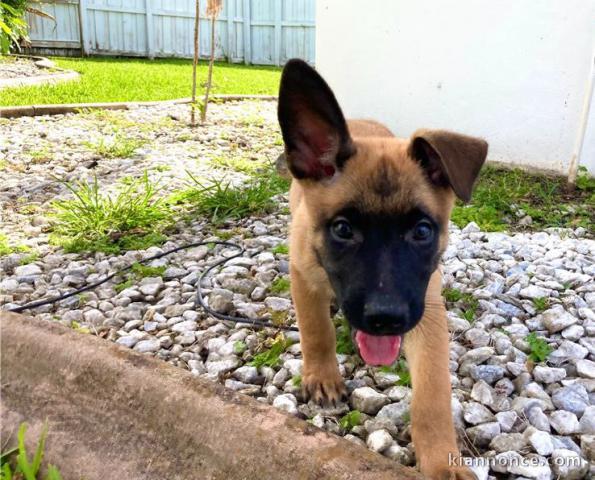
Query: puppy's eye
342, 229
423, 231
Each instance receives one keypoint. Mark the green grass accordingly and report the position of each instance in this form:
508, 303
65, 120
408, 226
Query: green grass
18, 465
540, 349
117, 80
270, 356
132, 219
219, 200
542, 197
296, 381
280, 285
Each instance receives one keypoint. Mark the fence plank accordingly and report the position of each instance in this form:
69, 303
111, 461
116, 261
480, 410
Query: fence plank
264, 32
150, 29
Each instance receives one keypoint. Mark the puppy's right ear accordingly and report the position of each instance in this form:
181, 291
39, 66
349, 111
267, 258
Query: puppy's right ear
317, 141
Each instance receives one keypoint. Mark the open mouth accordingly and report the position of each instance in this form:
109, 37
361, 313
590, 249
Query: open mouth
377, 349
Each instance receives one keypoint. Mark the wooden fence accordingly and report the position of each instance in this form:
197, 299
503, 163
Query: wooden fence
263, 32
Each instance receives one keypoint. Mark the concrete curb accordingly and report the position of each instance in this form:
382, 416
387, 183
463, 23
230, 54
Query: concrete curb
114, 413
60, 109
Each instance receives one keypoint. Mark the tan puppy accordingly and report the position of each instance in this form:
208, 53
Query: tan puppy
369, 223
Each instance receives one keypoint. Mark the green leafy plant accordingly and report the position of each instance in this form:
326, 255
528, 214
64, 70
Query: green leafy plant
120, 287
540, 349
270, 356
16, 463
131, 219
239, 347
280, 285
402, 370
350, 420
280, 249
296, 381
142, 271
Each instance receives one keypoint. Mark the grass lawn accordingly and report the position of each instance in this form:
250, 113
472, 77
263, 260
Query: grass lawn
499, 194
126, 79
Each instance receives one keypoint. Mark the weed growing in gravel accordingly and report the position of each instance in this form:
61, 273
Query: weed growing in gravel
143, 271
239, 347
138, 271
41, 155
16, 463
238, 164
280, 285
402, 370
296, 380
119, 147
270, 356
467, 303
219, 200
541, 304
350, 420
94, 221
344, 342
452, 294
7, 249
540, 350
500, 193
29, 258
120, 287
280, 249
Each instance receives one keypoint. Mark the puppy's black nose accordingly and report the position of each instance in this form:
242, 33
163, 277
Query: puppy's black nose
386, 319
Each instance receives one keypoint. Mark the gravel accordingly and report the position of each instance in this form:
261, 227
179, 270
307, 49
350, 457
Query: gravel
530, 419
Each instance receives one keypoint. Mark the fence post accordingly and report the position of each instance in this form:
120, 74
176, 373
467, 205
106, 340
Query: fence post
84, 27
278, 30
229, 5
150, 29
247, 33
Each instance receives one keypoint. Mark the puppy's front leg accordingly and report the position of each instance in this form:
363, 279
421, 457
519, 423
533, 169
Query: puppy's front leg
432, 428
321, 379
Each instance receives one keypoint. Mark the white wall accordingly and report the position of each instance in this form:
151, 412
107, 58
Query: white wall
514, 72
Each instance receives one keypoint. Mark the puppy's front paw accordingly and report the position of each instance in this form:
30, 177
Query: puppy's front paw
323, 385
450, 473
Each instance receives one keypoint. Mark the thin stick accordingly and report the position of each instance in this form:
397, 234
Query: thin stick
195, 64
203, 113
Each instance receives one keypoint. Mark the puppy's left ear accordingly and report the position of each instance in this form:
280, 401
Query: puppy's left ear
449, 158
317, 141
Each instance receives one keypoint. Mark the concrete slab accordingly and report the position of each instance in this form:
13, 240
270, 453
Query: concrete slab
114, 413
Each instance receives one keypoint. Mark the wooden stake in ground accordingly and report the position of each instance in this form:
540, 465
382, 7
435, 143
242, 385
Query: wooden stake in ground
213, 10
195, 63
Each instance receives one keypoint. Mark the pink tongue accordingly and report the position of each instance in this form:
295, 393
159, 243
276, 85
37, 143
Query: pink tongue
378, 349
